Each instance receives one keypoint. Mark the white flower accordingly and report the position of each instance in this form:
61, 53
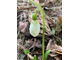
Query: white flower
34, 28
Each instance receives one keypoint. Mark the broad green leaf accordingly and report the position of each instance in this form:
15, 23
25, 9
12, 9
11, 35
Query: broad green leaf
46, 54
26, 51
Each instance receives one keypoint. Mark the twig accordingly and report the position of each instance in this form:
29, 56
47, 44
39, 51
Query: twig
28, 7
27, 57
31, 57
18, 33
58, 7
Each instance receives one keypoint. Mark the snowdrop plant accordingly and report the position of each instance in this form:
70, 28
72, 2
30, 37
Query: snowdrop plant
35, 27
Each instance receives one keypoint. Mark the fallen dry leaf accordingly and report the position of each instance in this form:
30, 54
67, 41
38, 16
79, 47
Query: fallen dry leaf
19, 42
33, 45
59, 24
28, 44
23, 26
37, 44
20, 49
55, 49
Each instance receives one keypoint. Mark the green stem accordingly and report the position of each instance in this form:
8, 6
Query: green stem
42, 35
42, 14
43, 38
36, 10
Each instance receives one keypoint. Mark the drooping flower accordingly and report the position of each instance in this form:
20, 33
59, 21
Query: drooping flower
34, 26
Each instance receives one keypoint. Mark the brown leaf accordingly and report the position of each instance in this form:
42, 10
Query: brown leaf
19, 41
23, 26
55, 49
33, 45
59, 21
59, 24
28, 44
20, 49
51, 1
37, 44
50, 21
41, 1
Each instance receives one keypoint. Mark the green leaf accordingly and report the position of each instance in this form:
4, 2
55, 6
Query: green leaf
34, 58
54, 20
46, 54
53, 30
50, 16
26, 51
53, 9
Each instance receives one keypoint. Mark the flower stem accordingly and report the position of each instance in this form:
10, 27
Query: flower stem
36, 10
43, 38
43, 18
42, 35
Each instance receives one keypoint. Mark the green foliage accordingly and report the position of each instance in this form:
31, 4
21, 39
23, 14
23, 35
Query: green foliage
50, 16
54, 20
26, 51
34, 58
53, 9
53, 29
46, 54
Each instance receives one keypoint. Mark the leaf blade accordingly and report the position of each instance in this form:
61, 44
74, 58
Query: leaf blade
46, 54
26, 51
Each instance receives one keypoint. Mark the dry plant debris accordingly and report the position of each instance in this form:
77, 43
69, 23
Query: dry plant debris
53, 11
